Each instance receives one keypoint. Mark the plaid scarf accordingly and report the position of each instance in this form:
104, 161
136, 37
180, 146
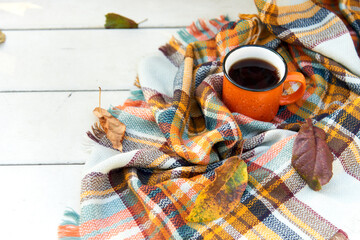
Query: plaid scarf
178, 132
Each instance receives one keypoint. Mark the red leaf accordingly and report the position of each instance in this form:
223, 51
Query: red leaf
312, 157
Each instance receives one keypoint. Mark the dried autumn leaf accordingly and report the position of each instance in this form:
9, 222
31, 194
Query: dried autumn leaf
222, 195
2, 37
114, 20
312, 157
114, 129
340, 235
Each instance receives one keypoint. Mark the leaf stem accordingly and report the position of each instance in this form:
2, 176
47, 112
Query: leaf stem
99, 97
142, 21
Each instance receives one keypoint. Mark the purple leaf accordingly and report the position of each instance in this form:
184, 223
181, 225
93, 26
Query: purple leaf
312, 157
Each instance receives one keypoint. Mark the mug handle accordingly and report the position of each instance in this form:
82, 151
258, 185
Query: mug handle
291, 98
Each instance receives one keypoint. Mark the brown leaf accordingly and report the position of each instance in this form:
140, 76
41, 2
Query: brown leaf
2, 37
114, 129
312, 157
222, 195
114, 20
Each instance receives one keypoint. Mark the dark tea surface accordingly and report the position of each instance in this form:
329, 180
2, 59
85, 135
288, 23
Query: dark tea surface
254, 73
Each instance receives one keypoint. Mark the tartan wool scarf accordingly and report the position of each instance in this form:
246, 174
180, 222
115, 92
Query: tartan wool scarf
179, 135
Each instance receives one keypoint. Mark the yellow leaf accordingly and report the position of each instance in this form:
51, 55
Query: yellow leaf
222, 195
2, 37
114, 129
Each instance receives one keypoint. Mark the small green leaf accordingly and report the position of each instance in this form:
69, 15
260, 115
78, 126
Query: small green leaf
222, 195
114, 20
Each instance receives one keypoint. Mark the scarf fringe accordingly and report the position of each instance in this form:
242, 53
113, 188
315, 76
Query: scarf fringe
340, 235
202, 30
69, 228
98, 135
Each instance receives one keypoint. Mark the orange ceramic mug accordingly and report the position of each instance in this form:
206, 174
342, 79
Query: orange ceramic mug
241, 94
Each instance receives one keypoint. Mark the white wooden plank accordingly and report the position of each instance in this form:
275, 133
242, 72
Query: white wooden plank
47, 14
34, 199
49, 127
76, 59
337, 201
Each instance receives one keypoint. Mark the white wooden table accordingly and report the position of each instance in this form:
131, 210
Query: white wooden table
56, 55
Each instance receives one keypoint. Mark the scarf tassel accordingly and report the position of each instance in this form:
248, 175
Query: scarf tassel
69, 228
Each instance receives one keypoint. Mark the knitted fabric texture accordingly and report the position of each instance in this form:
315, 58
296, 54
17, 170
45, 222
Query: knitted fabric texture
178, 131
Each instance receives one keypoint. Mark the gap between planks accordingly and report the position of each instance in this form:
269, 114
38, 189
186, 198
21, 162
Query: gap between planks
92, 28
39, 164
64, 90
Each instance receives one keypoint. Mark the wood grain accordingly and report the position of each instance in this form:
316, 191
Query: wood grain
85, 14
49, 127
74, 59
35, 198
